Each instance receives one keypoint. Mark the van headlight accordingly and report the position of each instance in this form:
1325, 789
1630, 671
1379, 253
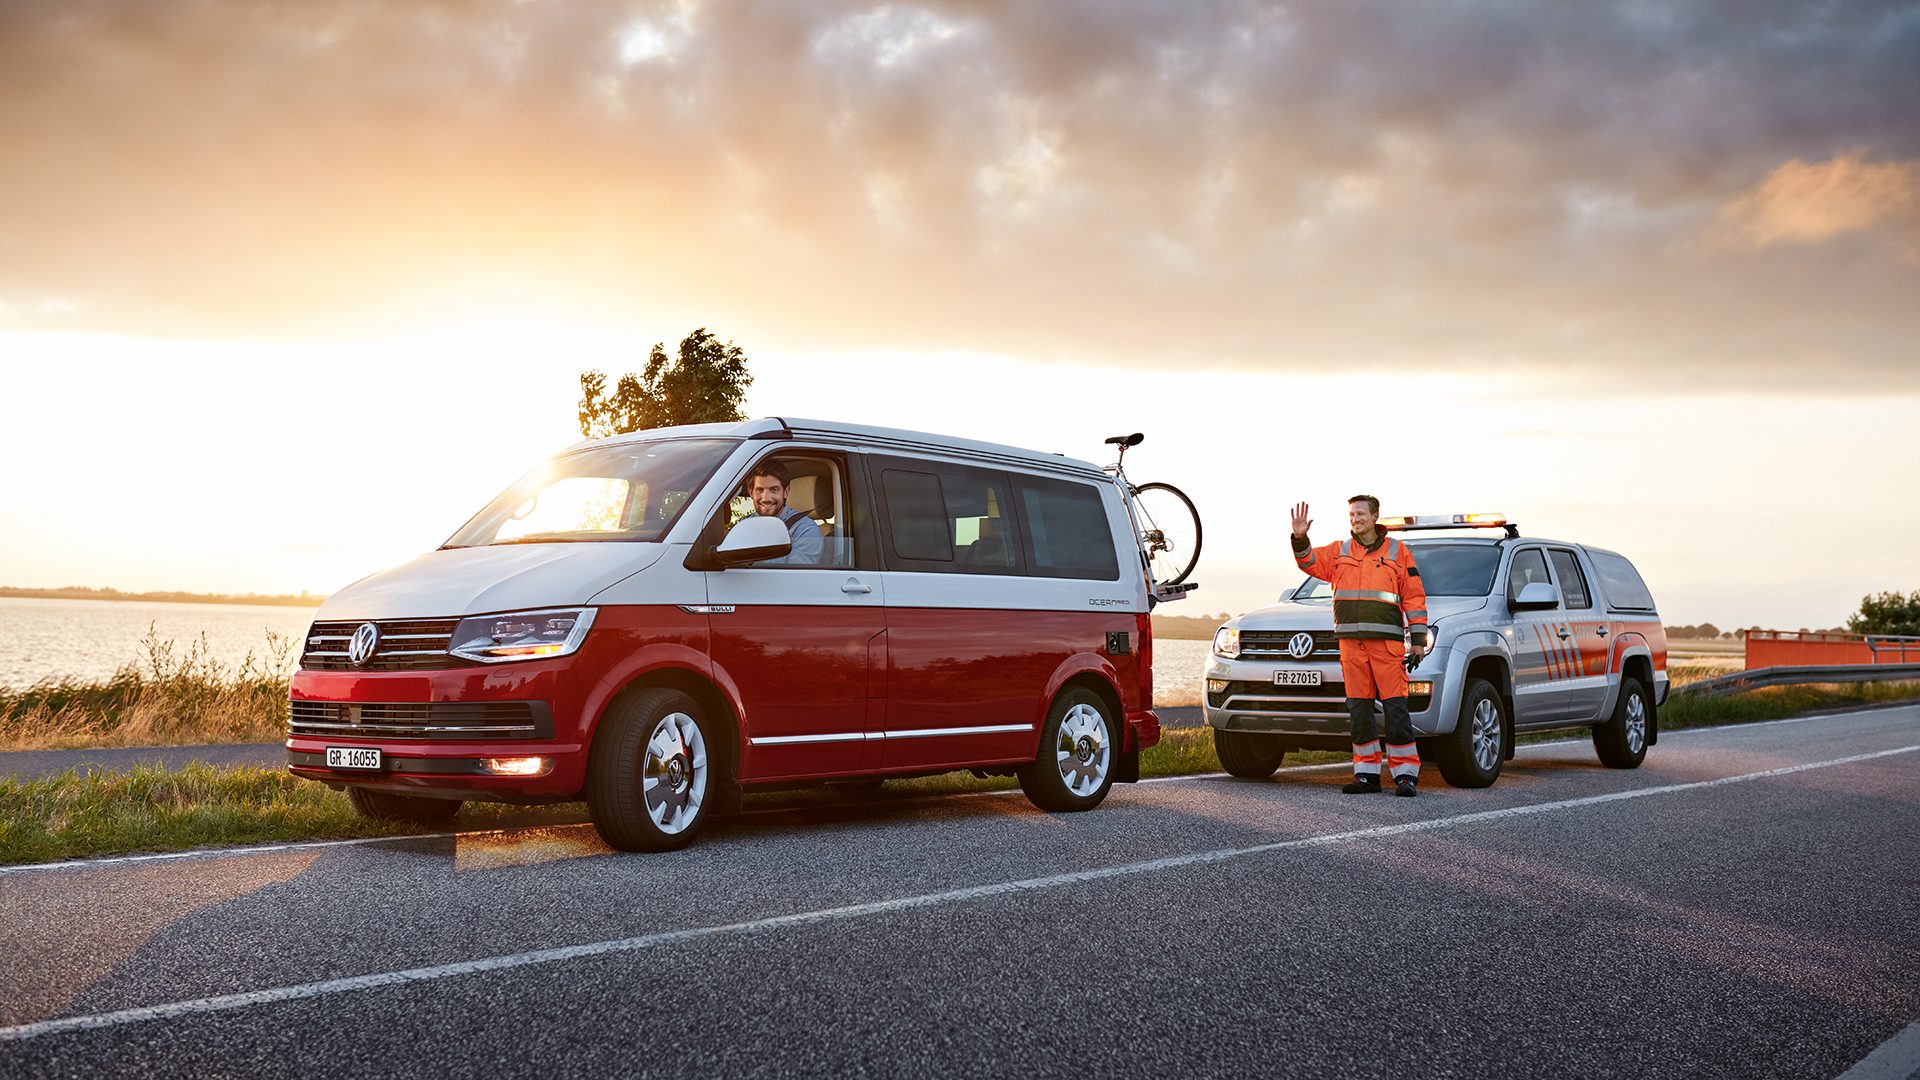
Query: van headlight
521, 635
1226, 642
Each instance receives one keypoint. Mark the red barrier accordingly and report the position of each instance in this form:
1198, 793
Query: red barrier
1787, 648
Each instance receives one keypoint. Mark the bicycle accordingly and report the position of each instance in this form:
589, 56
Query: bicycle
1165, 522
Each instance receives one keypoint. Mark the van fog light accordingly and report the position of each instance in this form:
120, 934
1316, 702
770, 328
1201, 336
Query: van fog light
518, 766
1216, 686
1420, 688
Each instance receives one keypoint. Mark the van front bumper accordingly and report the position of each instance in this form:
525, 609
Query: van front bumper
437, 730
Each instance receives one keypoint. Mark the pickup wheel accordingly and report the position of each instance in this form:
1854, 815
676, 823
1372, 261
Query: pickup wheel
409, 809
1622, 741
650, 778
1470, 756
1248, 755
1079, 746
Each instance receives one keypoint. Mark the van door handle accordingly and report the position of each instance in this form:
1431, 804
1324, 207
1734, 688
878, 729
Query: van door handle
855, 587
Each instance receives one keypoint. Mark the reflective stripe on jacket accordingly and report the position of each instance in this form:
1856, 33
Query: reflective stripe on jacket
1376, 593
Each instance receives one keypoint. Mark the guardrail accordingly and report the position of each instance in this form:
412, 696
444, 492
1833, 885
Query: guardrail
1757, 678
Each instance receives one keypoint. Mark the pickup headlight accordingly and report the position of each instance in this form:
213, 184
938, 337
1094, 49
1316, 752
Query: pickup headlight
1226, 642
521, 635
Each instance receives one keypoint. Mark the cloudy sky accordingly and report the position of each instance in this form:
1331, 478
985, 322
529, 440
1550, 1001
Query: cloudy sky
1639, 273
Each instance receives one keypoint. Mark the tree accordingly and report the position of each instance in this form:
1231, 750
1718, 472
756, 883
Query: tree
1887, 613
704, 384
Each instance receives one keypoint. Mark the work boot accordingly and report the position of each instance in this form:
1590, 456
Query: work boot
1406, 787
1362, 785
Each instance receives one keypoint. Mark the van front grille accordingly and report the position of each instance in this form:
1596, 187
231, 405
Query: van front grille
405, 645
445, 720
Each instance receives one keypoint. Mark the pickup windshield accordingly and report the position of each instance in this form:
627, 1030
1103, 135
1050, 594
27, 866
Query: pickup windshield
629, 491
1445, 569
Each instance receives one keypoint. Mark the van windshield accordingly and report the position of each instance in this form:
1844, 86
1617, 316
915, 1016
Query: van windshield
630, 491
1445, 569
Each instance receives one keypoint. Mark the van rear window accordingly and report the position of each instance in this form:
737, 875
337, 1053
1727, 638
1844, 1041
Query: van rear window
1067, 531
1622, 582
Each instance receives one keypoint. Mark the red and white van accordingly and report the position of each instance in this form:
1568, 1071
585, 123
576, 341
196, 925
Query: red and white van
620, 626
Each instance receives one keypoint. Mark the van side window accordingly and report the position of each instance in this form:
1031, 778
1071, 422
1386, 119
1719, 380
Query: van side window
1529, 566
1067, 531
817, 490
1573, 583
950, 519
917, 515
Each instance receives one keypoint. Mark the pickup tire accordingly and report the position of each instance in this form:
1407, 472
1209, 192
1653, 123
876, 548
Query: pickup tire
1469, 756
408, 809
1248, 755
1621, 741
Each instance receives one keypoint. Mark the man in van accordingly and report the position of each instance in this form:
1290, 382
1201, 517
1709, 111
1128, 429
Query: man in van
768, 489
1376, 591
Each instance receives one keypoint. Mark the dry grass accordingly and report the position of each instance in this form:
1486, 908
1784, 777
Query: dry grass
173, 697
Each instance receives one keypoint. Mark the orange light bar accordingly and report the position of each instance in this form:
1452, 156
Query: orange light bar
1441, 521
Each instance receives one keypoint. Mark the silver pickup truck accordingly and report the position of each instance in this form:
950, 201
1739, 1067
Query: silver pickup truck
1530, 635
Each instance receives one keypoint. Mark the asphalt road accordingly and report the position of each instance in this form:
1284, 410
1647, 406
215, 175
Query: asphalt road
1704, 915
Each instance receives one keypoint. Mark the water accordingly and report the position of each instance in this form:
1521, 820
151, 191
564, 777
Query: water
90, 639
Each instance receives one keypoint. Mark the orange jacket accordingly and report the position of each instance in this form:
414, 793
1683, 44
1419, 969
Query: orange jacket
1373, 588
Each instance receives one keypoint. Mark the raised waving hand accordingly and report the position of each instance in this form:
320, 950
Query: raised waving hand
1301, 523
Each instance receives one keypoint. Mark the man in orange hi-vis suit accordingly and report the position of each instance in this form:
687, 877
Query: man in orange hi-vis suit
1375, 584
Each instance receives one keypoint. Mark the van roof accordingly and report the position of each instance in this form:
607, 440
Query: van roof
897, 439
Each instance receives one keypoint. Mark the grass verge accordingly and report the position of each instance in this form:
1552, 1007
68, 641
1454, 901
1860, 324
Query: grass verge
71, 815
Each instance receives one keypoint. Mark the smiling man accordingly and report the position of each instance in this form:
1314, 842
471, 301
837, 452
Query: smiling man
768, 488
1377, 594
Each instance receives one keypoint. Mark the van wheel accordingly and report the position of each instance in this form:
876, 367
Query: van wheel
1246, 754
1079, 745
649, 774
409, 809
1622, 741
1470, 756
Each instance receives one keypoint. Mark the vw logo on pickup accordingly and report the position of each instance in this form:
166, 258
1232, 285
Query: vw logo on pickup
365, 640
1299, 647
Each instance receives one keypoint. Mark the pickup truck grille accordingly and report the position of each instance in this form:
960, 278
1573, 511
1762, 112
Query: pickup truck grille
441, 720
1272, 645
405, 645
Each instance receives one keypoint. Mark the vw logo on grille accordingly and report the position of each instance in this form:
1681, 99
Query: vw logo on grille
365, 640
1300, 647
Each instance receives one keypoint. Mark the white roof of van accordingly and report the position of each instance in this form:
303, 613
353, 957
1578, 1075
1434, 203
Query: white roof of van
878, 438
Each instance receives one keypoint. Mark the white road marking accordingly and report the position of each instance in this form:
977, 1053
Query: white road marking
224, 1002
1896, 1059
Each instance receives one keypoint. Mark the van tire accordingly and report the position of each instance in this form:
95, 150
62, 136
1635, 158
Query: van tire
665, 735
1248, 755
1091, 751
407, 809
1621, 741
1463, 754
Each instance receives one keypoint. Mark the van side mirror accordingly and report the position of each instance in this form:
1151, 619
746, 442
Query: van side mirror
1536, 596
752, 540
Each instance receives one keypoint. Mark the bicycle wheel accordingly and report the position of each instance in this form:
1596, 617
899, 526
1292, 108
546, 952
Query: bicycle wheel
1169, 532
